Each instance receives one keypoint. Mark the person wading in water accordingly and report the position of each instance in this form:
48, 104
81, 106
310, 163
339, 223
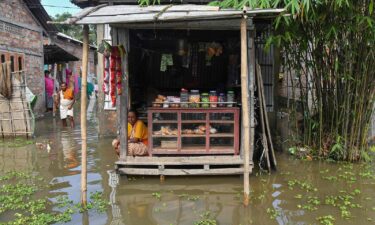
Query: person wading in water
65, 102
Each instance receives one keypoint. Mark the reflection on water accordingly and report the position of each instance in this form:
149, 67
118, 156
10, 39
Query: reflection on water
144, 200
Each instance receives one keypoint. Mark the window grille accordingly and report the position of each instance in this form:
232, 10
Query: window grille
10, 28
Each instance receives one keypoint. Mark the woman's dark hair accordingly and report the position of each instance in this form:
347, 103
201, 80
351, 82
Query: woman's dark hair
133, 111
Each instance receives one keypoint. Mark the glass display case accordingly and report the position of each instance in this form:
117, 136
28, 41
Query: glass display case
193, 131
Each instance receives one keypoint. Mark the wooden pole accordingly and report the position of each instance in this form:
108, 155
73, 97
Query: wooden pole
245, 111
123, 36
55, 86
263, 106
83, 115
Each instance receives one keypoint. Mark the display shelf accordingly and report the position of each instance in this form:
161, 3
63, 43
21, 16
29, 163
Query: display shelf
161, 136
194, 144
165, 121
222, 135
193, 121
193, 135
222, 121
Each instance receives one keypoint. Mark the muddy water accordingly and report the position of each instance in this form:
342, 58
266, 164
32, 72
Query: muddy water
280, 198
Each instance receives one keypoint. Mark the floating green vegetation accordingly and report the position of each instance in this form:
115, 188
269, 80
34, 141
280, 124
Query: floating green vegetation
15, 142
20, 197
330, 178
273, 213
326, 220
206, 219
157, 195
189, 197
302, 184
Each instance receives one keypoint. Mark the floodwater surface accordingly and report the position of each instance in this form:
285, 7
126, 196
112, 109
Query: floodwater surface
299, 192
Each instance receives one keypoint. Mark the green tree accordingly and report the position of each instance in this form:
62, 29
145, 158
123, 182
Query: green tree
73, 31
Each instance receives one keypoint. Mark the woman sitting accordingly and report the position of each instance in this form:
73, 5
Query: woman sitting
137, 136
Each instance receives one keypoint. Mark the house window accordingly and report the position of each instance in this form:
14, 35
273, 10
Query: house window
12, 63
16, 60
20, 64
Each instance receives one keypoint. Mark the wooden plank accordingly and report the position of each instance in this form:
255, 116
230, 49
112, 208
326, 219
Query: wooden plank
187, 159
165, 121
167, 16
135, 9
222, 135
245, 109
193, 121
222, 121
179, 163
193, 135
196, 151
181, 172
123, 36
227, 24
194, 110
161, 136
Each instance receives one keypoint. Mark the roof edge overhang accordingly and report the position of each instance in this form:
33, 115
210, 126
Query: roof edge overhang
131, 15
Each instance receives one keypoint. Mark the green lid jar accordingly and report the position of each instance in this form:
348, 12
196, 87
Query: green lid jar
205, 98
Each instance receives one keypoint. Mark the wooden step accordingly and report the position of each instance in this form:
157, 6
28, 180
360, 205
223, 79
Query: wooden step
182, 160
180, 172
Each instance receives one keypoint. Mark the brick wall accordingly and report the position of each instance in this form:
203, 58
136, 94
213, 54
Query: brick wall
17, 11
24, 36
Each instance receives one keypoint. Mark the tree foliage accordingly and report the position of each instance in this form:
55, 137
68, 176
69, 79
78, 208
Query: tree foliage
73, 31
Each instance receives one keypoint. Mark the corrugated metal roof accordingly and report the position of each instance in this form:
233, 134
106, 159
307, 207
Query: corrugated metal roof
133, 14
54, 54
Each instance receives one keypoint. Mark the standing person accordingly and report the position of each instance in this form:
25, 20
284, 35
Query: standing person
137, 136
66, 101
49, 85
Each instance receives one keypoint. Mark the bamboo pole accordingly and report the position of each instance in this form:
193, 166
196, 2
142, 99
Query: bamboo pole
83, 115
262, 119
55, 92
263, 106
245, 111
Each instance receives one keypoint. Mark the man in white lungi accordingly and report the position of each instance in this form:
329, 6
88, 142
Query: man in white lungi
65, 103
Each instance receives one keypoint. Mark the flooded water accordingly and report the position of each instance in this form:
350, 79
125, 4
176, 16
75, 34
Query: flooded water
298, 193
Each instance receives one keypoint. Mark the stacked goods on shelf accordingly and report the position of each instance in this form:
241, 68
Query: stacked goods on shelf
165, 102
166, 130
199, 130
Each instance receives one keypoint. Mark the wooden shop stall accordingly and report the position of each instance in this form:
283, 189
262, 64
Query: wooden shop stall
190, 70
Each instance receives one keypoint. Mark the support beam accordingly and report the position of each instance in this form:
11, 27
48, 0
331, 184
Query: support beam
251, 84
123, 35
83, 115
245, 111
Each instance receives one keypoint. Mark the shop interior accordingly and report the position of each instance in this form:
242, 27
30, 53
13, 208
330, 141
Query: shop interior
166, 63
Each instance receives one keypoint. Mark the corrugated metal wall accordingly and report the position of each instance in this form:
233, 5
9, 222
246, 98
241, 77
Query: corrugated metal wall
266, 62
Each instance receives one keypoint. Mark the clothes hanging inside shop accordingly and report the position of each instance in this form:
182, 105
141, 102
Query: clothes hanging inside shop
166, 60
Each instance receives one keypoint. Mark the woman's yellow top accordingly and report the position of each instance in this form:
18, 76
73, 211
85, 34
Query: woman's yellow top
140, 132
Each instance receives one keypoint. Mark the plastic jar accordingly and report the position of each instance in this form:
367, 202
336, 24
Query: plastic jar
184, 97
221, 98
205, 99
194, 99
230, 98
213, 99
